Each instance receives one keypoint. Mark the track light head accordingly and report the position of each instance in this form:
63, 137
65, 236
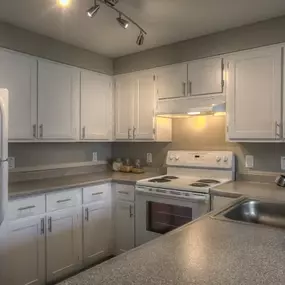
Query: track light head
93, 10
140, 39
123, 23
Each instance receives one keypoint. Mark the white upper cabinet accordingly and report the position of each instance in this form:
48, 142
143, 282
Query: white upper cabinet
171, 81
18, 73
144, 107
96, 106
254, 94
58, 101
124, 99
205, 76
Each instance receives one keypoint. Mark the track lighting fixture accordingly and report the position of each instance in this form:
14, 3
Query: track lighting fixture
140, 39
123, 23
93, 10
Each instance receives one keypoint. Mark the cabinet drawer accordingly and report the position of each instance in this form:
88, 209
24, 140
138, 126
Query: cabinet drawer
97, 193
125, 192
26, 207
63, 199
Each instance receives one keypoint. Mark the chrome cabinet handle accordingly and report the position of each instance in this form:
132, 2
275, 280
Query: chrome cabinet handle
130, 211
277, 129
129, 133
87, 214
49, 224
184, 88
41, 130
42, 226
83, 132
26, 208
34, 130
134, 132
189, 87
63, 201
98, 193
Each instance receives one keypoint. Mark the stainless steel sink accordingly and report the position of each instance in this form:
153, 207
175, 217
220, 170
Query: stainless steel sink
256, 212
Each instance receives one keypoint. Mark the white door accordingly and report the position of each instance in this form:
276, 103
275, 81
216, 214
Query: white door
96, 106
144, 107
18, 74
26, 252
171, 81
124, 106
205, 76
63, 243
97, 232
58, 97
254, 94
124, 226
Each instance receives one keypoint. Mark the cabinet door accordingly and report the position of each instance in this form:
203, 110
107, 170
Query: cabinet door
18, 74
97, 232
63, 243
254, 94
144, 105
205, 76
124, 226
26, 252
124, 106
96, 106
58, 98
171, 81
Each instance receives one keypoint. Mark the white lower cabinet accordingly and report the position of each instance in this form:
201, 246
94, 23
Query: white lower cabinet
124, 226
96, 233
63, 243
26, 251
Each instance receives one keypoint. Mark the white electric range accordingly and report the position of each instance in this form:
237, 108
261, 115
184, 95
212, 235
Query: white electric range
166, 202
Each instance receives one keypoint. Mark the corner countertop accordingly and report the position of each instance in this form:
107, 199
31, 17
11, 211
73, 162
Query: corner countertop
236, 189
41, 186
208, 251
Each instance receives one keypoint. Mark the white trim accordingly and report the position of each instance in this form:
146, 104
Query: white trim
56, 166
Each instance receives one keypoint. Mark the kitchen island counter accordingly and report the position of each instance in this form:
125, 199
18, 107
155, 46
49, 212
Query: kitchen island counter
208, 251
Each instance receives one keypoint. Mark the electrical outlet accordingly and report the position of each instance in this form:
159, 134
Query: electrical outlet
282, 162
94, 157
149, 158
11, 162
249, 161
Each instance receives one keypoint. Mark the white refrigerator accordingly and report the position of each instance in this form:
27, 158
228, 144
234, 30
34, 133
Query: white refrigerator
3, 179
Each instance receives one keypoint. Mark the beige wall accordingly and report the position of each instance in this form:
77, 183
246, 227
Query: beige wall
204, 133
251, 36
18, 39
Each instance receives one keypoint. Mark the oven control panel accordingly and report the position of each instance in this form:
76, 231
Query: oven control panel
201, 159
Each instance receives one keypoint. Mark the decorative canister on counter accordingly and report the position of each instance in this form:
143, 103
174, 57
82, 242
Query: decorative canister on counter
117, 164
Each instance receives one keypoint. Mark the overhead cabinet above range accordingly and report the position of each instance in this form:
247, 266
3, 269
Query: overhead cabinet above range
199, 77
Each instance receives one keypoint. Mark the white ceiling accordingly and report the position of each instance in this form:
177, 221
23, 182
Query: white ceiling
166, 21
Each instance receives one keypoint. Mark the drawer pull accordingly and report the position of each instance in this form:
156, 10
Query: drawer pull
123, 192
98, 193
63, 201
26, 208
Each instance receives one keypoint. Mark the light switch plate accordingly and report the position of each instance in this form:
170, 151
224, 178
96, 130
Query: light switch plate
11, 162
249, 161
95, 157
149, 158
282, 162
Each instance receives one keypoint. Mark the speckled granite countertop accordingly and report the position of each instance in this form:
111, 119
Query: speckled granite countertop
252, 189
208, 251
34, 187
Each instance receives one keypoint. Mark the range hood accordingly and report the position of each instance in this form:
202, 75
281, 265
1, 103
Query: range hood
189, 106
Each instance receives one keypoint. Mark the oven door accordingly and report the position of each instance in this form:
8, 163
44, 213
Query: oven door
159, 214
